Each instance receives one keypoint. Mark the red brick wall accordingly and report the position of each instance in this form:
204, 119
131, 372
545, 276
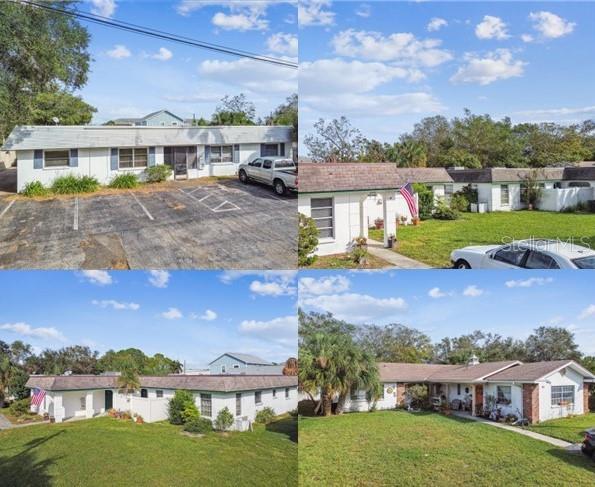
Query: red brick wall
586, 386
401, 394
531, 402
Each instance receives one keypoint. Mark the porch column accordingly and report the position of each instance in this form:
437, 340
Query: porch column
89, 411
363, 217
59, 411
473, 400
388, 215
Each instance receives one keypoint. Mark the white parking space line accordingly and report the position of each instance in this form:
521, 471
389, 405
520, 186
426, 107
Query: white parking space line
217, 209
205, 197
75, 224
195, 189
142, 206
7, 208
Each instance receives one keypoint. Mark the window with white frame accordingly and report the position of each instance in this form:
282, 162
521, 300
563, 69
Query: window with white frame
84, 402
238, 404
562, 395
206, 405
322, 214
258, 397
269, 150
504, 194
131, 158
503, 395
159, 393
221, 153
56, 158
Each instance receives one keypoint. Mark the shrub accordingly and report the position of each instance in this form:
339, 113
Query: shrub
470, 193
224, 419
199, 425
158, 174
359, 251
418, 396
20, 408
443, 212
124, 181
425, 197
190, 412
265, 416
307, 240
458, 202
177, 405
35, 188
75, 184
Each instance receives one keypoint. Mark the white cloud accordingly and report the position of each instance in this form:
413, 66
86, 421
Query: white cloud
402, 47
527, 38
208, 315
436, 23
472, 291
119, 305
364, 10
357, 308
27, 330
271, 288
159, 278
240, 21
250, 74
547, 113
119, 51
283, 44
315, 12
436, 292
101, 278
163, 54
172, 314
496, 65
310, 286
587, 312
532, 281
105, 8
550, 25
281, 330
491, 28
228, 277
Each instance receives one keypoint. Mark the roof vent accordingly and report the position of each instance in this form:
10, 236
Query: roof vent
473, 360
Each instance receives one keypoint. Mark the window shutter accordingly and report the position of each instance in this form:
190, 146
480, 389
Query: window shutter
151, 156
236, 153
114, 159
207, 154
282, 150
73, 161
262, 146
38, 159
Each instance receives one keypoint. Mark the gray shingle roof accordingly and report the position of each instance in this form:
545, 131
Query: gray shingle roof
403, 372
532, 371
507, 175
66, 137
246, 358
215, 383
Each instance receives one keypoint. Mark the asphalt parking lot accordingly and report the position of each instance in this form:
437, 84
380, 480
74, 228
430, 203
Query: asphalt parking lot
223, 225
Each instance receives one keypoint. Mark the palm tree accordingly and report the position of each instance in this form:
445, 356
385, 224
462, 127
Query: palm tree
411, 153
128, 381
358, 371
291, 366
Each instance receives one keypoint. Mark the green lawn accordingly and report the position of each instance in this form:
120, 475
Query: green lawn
344, 261
105, 451
400, 448
569, 429
433, 240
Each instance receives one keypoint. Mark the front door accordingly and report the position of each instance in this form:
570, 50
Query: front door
180, 163
109, 400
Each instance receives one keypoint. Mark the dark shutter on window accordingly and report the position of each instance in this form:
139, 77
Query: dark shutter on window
114, 159
236, 153
151, 156
73, 161
282, 150
38, 159
262, 149
207, 154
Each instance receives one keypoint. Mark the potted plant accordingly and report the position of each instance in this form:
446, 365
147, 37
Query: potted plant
416, 220
379, 223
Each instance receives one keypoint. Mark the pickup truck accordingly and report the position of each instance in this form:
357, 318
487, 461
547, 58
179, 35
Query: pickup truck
281, 174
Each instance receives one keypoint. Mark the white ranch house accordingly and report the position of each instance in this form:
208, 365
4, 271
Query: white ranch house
345, 199
538, 391
87, 396
46, 152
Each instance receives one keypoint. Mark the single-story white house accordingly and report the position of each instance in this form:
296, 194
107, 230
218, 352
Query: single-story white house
47, 152
243, 363
87, 396
538, 391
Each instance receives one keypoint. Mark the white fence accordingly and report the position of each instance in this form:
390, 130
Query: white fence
558, 199
151, 409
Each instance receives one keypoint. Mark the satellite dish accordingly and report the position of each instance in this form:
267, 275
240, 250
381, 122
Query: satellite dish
56, 120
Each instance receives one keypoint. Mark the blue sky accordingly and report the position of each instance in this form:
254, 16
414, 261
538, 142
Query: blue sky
187, 315
133, 75
442, 303
386, 65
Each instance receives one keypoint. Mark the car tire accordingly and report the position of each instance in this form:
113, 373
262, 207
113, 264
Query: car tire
462, 264
243, 176
279, 187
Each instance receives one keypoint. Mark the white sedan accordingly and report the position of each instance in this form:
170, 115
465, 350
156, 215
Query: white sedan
525, 254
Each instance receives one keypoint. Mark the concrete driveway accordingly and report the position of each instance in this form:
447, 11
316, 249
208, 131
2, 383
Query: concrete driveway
224, 225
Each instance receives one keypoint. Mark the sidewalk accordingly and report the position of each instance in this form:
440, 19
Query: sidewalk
4, 423
377, 249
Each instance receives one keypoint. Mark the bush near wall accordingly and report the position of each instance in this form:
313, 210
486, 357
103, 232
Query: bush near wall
124, 181
75, 184
425, 197
265, 416
158, 174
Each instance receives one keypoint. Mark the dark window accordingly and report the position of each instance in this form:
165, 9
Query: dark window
274, 393
258, 397
57, 158
205, 405
269, 150
579, 184
287, 393
381, 392
168, 157
130, 158
267, 164
239, 404
144, 393
159, 393
221, 153
256, 163
458, 389
503, 395
585, 262
354, 395
538, 260
322, 214
510, 255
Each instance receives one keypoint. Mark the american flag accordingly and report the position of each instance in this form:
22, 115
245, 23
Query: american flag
38, 395
408, 193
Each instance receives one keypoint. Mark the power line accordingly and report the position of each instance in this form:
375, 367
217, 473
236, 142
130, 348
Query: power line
149, 32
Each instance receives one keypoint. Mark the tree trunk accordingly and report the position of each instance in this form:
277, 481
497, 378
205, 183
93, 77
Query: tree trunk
341, 403
327, 403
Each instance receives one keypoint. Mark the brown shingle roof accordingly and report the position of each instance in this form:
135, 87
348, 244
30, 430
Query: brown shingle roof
403, 372
216, 383
531, 371
363, 176
470, 372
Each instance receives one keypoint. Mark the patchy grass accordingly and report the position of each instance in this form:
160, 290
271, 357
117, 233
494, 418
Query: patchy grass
400, 448
569, 429
433, 240
105, 451
344, 261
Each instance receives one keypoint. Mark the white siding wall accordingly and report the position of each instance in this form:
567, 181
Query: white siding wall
570, 378
389, 401
558, 199
516, 396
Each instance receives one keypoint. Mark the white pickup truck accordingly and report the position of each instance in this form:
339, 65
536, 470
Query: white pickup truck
279, 173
